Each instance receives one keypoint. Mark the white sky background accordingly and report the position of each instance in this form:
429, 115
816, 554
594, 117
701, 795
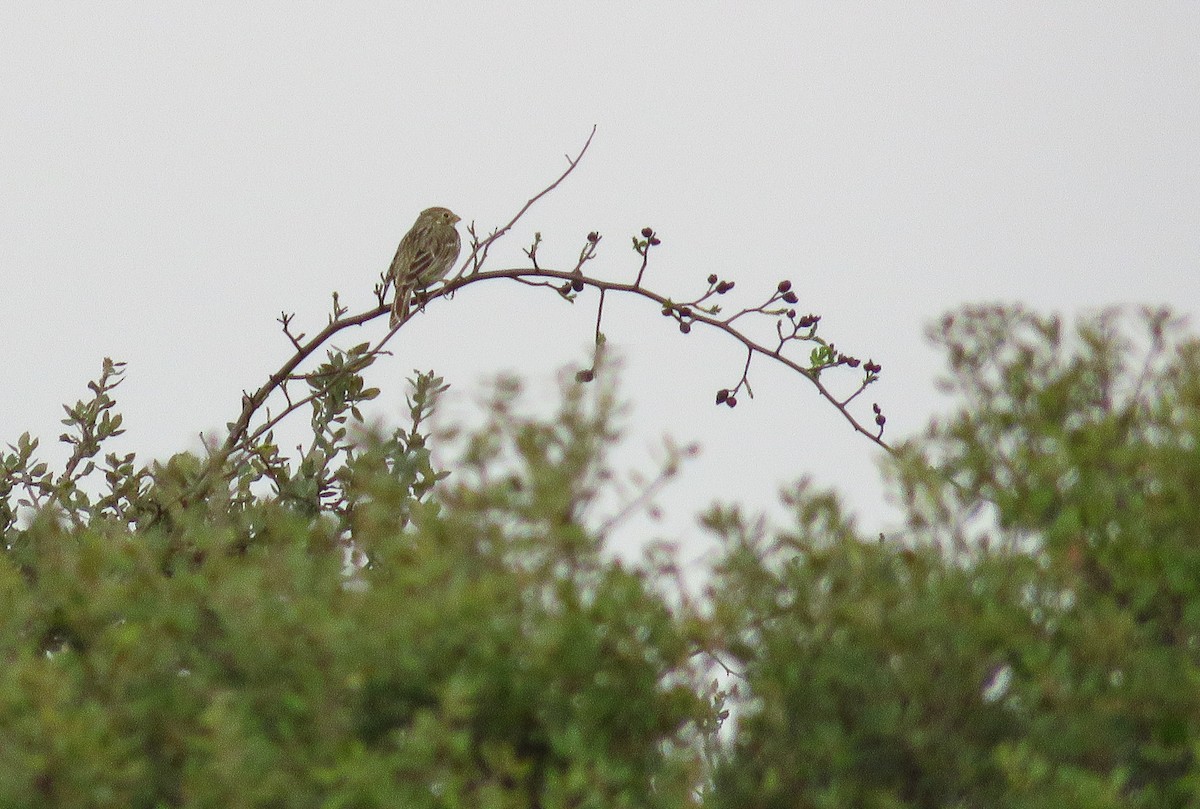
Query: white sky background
171, 179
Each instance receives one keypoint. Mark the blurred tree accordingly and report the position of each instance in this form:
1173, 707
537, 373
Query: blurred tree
1033, 639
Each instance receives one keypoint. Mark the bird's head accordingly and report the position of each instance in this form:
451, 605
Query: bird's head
440, 216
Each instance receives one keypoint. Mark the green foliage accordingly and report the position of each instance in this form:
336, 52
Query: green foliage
481, 652
357, 627
1034, 639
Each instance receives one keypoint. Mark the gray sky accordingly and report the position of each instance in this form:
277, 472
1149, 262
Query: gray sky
170, 179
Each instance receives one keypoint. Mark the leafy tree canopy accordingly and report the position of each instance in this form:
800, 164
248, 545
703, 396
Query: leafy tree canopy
359, 626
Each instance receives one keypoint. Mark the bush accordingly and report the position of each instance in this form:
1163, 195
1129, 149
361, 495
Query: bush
355, 628
481, 652
1033, 639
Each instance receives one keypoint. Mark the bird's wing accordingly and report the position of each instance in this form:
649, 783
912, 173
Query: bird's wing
420, 263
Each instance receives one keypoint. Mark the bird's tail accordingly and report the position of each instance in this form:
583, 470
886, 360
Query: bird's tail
401, 304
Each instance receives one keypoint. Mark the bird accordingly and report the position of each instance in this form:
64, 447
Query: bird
425, 255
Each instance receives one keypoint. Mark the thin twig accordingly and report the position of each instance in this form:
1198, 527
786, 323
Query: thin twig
599, 316
495, 235
253, 401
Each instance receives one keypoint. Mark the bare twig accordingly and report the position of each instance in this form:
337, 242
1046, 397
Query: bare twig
479, 250
599, 317
666, 474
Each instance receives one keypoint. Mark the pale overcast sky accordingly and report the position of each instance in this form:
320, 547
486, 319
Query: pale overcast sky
172, 176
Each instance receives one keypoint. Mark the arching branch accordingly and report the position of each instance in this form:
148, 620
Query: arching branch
703, 310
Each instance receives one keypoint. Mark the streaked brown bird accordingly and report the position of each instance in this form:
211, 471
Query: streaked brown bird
425, 255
